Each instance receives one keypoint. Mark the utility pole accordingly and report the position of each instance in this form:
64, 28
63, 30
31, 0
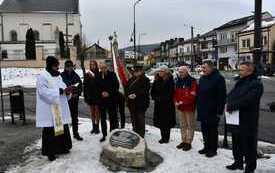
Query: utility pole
135, 48
192, 48
1, 86
67, 37
257, 54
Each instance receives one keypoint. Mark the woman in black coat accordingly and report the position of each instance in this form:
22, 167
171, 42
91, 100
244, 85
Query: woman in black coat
164, 111
92, 94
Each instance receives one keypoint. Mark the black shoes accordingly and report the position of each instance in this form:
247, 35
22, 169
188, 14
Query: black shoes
235, 166
181, 145
95, 129
248, 171
77, 137
102, 139
51, 158
162, 141
187, 147
210, 154
203, 151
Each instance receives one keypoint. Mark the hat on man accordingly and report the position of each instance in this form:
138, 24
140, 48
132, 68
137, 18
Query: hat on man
138, 67
69, 63
51, 61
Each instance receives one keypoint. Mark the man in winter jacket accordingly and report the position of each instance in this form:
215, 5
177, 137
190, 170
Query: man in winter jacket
71, 78
108, 85
138, 99
185, 101
245, 98
210, 106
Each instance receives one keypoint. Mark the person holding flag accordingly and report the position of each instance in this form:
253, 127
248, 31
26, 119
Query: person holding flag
122, 75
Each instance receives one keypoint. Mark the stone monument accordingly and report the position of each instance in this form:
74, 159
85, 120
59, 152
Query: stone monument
127, 151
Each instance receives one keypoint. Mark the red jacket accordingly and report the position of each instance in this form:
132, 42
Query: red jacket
186, 92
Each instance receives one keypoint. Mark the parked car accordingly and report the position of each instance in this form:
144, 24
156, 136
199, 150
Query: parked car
269, 69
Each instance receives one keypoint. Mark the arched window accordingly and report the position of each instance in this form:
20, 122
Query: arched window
36, 35
13, 35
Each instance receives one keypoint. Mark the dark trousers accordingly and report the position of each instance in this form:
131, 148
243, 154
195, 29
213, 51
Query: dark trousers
244, 146
138, 122
121, 109
210, 136
165, 134
112, 112
73, 104
52, 145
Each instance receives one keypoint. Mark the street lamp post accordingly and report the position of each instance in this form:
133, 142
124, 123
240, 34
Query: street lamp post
135, 50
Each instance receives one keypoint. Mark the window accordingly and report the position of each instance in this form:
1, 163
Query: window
233, 36
264, 40
223, 36
13, 36
223, 49
188, 49
204, 45
4, 54
248, 43
36, 35
243, 43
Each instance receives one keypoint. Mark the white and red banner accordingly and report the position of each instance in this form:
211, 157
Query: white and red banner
119, 66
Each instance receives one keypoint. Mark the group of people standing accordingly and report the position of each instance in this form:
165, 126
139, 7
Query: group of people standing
58, 97
208, 97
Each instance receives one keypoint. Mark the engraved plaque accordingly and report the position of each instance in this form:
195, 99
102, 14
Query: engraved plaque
124, 139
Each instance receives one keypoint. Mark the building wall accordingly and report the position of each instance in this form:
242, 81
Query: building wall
271, 43
231, 47
38, 63
45, 23
247, 52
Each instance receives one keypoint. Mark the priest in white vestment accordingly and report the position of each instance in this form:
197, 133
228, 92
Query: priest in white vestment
52, 110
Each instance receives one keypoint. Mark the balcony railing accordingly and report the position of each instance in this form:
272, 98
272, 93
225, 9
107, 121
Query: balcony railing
210, 49
226, 42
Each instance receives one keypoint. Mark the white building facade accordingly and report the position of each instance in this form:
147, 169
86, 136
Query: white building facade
45, 18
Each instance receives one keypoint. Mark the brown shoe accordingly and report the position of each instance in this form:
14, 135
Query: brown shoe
187, 147
181, 145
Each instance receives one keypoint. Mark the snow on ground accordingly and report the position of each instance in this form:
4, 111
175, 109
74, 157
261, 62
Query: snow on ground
84, 156
25, 77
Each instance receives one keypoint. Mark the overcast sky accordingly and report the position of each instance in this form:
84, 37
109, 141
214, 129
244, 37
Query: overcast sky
159, 19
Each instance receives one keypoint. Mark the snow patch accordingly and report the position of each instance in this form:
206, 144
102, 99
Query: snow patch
84, 156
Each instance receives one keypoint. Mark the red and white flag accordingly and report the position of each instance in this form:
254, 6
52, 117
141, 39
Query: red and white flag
119, 66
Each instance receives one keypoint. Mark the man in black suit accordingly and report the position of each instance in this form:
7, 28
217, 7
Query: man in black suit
108, 85
211, 99
245, 97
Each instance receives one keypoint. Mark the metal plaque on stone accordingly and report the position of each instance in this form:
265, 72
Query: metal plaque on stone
124, 139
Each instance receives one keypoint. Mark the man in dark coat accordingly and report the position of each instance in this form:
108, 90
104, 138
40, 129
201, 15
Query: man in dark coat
71, 78
245, 97
108, 85
162, 93
210, 106
137, 93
